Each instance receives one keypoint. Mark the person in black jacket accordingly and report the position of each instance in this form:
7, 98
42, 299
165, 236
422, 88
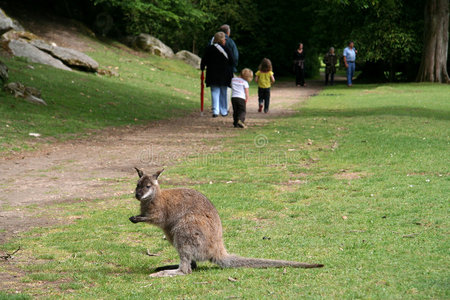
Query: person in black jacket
299, 65
218, 61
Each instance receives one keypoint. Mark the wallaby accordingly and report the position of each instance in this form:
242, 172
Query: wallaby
192, 225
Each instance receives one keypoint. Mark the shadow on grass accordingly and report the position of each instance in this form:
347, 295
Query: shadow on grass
153, 268
398, 111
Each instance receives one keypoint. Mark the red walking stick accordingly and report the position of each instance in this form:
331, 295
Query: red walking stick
202, 92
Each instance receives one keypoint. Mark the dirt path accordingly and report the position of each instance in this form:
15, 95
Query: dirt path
102, 166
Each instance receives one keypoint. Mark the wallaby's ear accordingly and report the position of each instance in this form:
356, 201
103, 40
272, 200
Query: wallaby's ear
156, 175
140, 173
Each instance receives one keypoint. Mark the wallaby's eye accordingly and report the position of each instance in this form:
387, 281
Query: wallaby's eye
148, 186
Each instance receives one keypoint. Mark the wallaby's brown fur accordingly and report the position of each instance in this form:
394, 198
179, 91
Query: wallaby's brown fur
192, 225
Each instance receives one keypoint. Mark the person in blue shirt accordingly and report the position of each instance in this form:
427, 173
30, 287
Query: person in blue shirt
349, 60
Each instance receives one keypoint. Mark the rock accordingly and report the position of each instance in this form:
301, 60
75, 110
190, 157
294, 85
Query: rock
38, 50
189, 58
24, 49
28, 93
151, 44
34, 99
107, 72
3, 72
18, 35
70, 57
7, 24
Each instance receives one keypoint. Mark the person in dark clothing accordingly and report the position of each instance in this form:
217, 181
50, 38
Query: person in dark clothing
230, 44
299, 65
218, 60
330, 61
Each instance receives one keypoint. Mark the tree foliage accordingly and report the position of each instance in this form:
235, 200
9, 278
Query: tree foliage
388, 34
146, 15
172, 20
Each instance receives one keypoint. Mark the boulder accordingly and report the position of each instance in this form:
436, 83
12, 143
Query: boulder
3, 72
151, 44
7, 24
70, 57
189, 58
22, 48
42, 52
18, 35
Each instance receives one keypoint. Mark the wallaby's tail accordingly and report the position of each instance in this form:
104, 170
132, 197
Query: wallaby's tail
234, 261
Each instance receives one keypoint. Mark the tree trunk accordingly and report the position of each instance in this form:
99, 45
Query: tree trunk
433, 67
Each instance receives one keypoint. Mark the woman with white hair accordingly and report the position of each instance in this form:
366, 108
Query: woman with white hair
218, 62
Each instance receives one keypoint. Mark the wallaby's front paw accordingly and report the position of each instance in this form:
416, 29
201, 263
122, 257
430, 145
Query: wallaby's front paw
133, 219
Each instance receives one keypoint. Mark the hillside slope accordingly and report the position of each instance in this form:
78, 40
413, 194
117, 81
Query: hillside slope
147, 88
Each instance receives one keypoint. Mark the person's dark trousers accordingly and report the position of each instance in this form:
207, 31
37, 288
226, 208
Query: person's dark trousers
239, 110
331, 79
299, 76
264, 97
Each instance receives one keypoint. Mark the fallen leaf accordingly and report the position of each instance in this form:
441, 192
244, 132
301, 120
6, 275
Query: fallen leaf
412, 235
151, 254
344, 217
232, 279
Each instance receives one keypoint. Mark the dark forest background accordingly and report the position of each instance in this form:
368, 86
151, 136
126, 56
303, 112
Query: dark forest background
388, 34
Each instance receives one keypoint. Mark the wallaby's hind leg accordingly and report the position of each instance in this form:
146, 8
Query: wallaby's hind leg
183, 269
174, 267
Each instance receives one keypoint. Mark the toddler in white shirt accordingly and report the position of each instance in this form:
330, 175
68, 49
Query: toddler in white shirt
239, 96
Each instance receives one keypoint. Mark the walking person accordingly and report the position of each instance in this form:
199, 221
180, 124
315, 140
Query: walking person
349, 61
330, 61
240, 96
299, 65
264, 77
218, 61
231, 45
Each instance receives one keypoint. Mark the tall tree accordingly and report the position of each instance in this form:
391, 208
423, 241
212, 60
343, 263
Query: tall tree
433, 67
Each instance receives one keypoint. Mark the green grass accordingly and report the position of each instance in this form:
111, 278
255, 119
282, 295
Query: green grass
148, 88
357, 180
5, 296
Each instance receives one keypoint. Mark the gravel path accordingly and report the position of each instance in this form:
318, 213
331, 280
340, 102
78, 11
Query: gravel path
102, 166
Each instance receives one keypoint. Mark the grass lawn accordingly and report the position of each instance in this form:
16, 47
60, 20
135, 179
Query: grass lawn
357, 180
148, 88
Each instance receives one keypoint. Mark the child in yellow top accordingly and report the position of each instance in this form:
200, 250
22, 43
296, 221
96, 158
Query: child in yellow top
264, 78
